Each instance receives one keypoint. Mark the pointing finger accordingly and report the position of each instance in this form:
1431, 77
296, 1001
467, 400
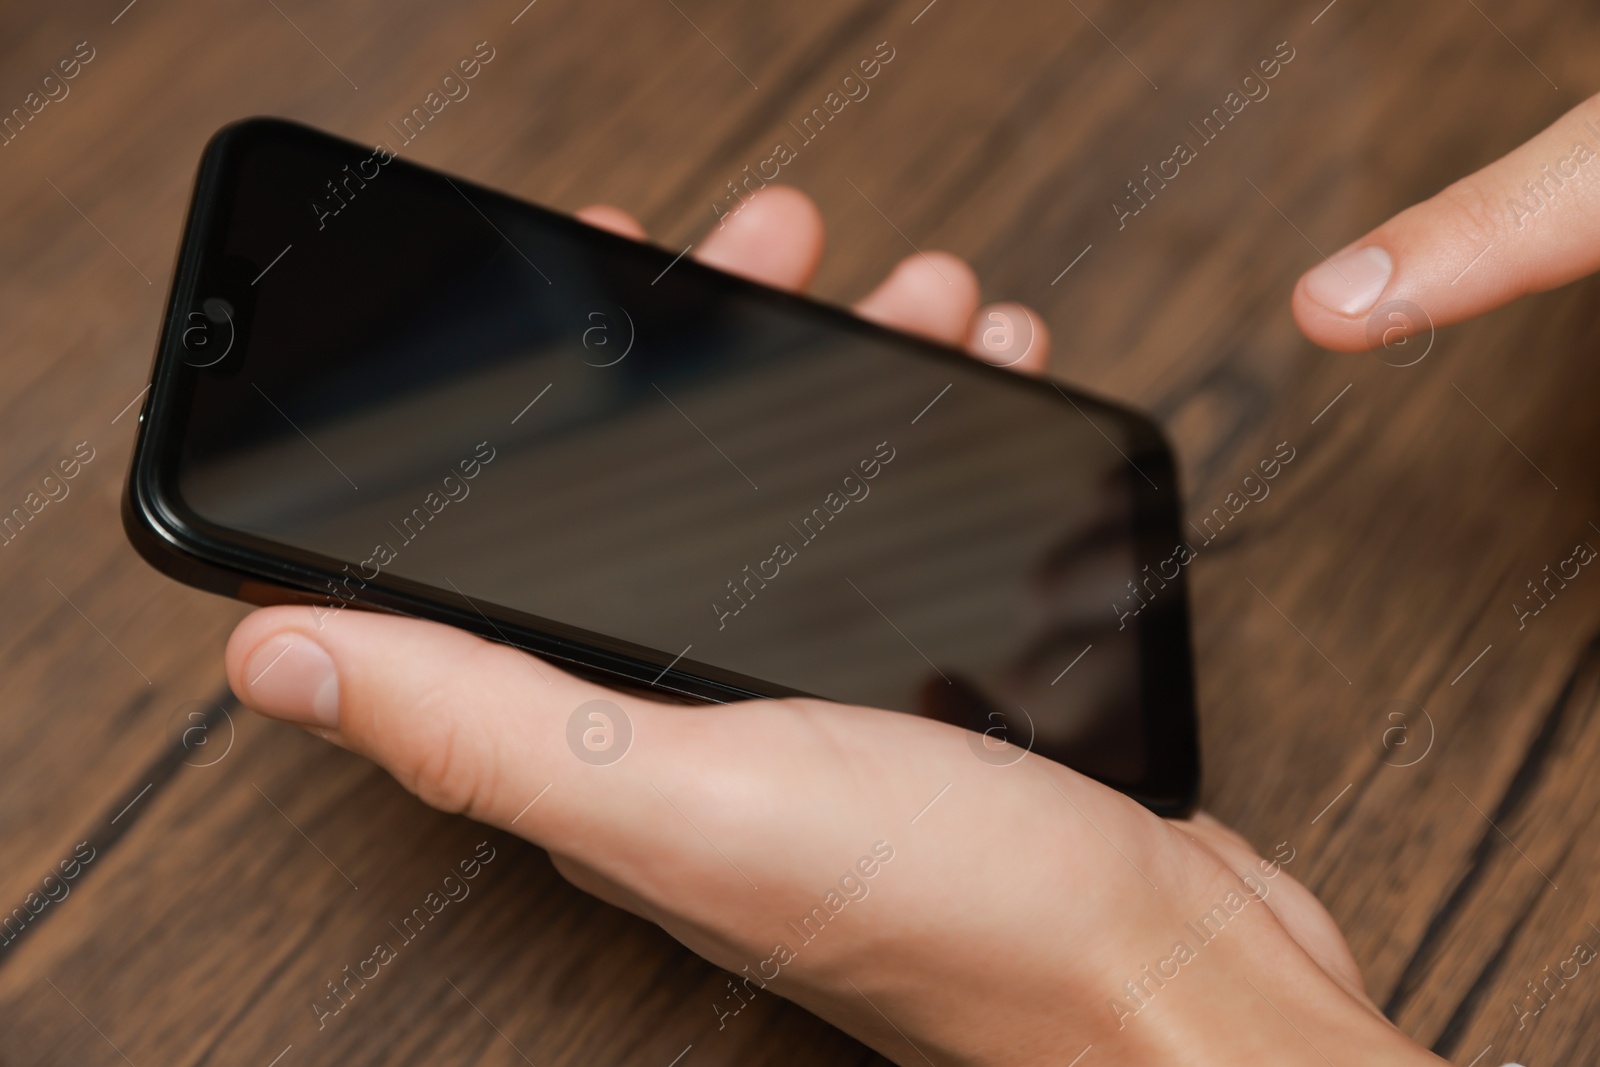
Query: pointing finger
1526, 223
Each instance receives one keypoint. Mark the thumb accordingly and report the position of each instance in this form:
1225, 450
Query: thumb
1526, 223
467, 725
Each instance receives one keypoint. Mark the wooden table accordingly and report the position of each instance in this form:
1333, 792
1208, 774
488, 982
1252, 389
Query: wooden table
1367, 695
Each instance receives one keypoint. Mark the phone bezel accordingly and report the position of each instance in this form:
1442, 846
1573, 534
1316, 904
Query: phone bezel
237, 564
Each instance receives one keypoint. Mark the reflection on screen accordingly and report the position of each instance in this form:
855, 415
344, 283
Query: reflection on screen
469, 395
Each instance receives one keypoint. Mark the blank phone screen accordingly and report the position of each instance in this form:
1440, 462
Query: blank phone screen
391, 375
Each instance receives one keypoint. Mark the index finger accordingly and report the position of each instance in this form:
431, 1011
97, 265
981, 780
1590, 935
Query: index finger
1526, 223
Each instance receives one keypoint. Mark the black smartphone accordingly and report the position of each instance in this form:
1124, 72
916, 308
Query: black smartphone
378, 386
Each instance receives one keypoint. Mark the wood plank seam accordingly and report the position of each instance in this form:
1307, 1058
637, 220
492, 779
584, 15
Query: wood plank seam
1466, 1010
118, 819
1522, 782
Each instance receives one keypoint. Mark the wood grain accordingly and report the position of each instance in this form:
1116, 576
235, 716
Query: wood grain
1381, 566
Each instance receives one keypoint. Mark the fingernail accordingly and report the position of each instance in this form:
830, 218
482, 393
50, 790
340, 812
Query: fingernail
1351, 282
290, 677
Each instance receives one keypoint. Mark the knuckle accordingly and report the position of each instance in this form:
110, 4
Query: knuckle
1473, 210
439, 777
451, 768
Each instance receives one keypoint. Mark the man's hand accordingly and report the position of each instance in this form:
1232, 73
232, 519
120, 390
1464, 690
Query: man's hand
860, 862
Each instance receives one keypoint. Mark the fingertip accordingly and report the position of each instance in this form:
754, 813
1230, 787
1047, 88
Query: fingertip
774, 237
932, 294
1321, 327
249, 634
1010, 335
1334, 301
277, 668
613, 219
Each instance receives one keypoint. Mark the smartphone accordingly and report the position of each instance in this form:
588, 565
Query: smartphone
378, 386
